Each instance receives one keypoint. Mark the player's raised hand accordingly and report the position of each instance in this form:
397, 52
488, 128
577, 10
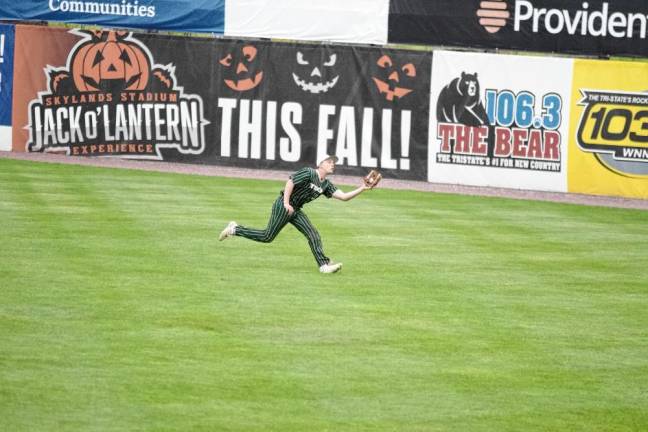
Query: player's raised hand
372, 179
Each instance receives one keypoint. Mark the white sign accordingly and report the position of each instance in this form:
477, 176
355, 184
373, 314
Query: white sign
354, 21
499, 120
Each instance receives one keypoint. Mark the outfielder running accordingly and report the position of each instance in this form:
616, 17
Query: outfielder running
301, 188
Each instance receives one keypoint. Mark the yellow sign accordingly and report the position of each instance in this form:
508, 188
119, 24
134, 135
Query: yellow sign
608, 152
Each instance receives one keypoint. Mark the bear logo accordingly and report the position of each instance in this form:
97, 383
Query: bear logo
459, 102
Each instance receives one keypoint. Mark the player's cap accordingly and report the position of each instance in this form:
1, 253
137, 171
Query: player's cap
327, 157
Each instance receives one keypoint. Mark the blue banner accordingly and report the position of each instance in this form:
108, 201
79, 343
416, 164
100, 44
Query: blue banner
179, 15
7, 37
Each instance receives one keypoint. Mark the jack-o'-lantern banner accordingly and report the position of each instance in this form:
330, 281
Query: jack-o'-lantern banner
222, 102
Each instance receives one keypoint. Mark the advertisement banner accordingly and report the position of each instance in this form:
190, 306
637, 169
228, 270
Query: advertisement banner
178, 15
609, 152
591, 27
499, 120
6, 83
354, 21
224, 102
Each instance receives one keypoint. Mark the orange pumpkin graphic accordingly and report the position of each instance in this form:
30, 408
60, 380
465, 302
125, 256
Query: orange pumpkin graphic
241, 74
110, 62
390, 84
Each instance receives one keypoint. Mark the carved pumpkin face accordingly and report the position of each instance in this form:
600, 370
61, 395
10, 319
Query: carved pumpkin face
394, 81
109, 62
241, 72
315, 71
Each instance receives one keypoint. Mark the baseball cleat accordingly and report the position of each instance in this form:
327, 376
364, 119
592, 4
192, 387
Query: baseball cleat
330, 268
229, 231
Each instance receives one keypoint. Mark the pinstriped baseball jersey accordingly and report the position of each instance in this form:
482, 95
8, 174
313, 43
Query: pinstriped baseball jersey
309, 187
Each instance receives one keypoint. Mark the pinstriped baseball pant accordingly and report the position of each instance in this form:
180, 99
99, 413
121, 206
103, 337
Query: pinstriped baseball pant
278, 219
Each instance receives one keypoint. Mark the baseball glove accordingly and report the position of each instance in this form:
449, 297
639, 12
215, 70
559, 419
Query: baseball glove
372, 179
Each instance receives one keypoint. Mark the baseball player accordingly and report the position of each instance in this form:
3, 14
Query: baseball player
301, 188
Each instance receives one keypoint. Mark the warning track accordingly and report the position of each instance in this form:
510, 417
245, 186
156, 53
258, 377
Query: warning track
219, 171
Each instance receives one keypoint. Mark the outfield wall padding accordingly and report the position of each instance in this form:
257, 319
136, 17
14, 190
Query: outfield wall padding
524, 122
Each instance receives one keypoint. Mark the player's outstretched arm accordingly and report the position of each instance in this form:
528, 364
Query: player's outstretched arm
346, 196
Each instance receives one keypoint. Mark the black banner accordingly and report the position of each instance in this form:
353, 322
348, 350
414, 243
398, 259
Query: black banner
281, 104
592, 27
255, 104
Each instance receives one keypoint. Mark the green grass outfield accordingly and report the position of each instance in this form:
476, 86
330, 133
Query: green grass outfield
121, 311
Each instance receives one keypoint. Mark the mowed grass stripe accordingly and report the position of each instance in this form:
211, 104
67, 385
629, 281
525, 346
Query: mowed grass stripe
121, 311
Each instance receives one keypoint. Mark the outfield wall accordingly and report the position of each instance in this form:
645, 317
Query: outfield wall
525, 122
